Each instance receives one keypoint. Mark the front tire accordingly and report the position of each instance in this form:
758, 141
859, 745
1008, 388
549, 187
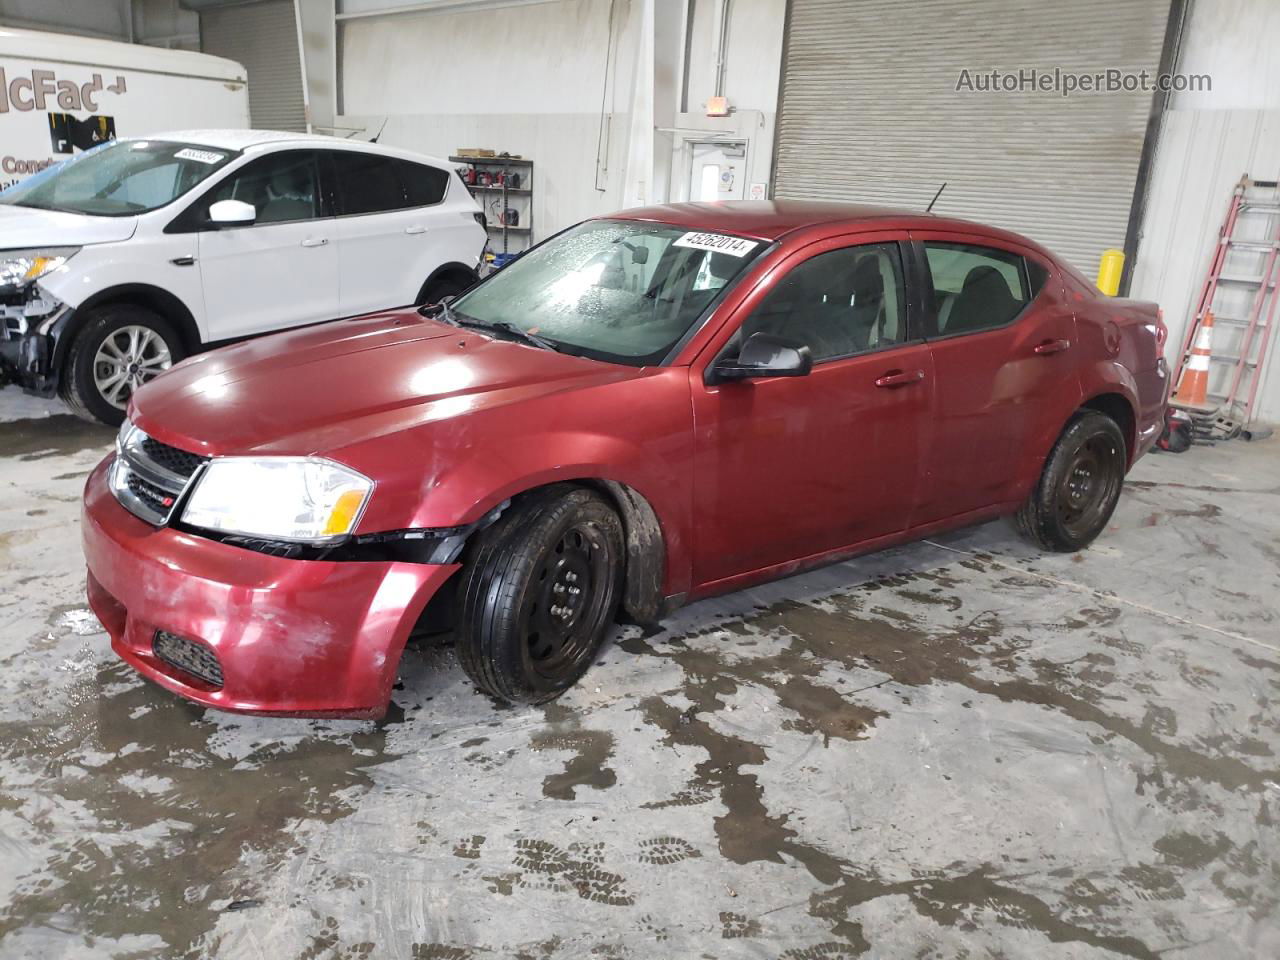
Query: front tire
539, 592
1078, 490
119, 348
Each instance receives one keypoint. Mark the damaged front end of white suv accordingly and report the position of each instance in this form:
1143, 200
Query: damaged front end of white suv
31, 318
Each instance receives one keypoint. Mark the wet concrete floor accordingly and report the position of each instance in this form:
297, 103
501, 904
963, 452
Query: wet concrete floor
961, 748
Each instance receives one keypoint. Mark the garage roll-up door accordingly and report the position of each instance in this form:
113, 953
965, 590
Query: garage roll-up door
870, 111
264, 37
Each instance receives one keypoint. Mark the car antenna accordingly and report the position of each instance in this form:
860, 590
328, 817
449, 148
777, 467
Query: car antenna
929, 208
380, 129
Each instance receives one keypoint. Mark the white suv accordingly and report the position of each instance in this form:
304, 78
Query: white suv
120, 262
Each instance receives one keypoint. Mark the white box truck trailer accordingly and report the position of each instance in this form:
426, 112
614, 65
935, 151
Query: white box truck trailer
61, 94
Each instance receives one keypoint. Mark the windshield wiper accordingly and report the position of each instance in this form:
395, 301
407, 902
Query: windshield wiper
444, 312
510, 329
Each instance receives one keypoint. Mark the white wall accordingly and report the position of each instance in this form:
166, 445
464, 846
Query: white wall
533, 80
528, 80
1208, 140
753, 69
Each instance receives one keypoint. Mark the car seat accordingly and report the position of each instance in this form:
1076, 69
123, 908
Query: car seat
984, 301
289, 196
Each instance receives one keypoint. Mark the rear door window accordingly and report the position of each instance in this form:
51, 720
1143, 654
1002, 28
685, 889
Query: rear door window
976, 287
368, 183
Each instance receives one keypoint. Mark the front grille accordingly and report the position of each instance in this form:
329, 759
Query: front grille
150, 477
189, 656
171, 458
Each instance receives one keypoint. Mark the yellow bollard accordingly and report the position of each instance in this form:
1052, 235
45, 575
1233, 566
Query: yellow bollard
1109, 270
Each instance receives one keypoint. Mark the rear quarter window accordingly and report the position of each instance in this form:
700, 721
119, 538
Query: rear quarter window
423, 183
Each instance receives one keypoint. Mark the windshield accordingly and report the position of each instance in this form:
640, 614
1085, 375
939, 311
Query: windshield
119, 179
618, 290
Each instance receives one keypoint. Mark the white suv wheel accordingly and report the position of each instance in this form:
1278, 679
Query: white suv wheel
127, 359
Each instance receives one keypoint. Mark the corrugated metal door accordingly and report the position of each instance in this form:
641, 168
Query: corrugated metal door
264, 37
871, 112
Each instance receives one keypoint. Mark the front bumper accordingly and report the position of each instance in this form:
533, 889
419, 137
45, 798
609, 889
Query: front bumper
31, 356
292, 637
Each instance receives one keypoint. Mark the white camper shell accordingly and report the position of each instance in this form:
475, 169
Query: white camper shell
61, 95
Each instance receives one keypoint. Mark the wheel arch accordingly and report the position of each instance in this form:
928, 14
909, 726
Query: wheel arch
646, 568
154, 298
644, 574
453, 270
1119, 408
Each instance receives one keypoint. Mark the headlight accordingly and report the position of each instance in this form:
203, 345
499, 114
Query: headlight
20, 267
278, 498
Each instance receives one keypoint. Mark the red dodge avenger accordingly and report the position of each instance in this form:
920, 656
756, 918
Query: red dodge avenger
644, 410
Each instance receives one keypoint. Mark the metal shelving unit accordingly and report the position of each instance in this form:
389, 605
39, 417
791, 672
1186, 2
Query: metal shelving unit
505, 192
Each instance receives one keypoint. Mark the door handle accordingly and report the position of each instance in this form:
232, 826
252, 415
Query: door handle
899, 378
1052, 346
412, 230
187, 261
315, 241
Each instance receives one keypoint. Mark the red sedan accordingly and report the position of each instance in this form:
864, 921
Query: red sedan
646, 409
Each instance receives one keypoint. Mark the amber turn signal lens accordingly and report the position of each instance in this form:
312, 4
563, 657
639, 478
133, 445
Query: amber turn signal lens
344, 513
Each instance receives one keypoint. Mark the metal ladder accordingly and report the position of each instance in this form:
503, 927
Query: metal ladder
1249, 199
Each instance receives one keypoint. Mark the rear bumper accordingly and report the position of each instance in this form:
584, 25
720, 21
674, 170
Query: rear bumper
1153, 388
292, 637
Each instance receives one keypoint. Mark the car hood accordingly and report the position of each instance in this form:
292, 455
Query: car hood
22, 227
315, 390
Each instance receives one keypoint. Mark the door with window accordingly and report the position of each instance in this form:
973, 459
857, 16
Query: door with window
1002, 338
281, 270
717, 171
790, 467
392, 231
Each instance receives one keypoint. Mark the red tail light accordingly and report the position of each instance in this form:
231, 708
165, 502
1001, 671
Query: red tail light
1162, 331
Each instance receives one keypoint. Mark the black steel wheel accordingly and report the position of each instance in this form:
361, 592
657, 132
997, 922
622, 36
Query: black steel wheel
539, 591
1079, 487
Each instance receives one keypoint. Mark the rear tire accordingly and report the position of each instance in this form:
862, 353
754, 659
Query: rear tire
538, 594
1078, 489
119, 348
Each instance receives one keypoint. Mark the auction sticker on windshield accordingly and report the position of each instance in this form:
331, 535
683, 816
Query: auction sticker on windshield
717, 243
200, 156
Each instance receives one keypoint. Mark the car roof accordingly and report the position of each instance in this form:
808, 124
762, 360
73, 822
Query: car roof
774, 219
249, 140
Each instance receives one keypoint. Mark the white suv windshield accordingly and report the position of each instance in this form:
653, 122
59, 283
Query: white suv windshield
119, 179
626, 291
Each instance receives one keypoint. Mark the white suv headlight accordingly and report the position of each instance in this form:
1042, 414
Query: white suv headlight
20, 267
278, 498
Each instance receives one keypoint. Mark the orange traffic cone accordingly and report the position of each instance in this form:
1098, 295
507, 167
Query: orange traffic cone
1193, 389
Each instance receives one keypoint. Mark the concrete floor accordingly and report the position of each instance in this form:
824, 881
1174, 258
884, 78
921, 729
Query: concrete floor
953, 749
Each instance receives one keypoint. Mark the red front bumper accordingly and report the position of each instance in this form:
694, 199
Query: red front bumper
297, 637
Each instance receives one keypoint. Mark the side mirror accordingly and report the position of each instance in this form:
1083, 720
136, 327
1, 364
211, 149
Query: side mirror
232, 213
764, 355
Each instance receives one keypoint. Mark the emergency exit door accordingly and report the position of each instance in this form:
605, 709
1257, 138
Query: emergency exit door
718, 171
